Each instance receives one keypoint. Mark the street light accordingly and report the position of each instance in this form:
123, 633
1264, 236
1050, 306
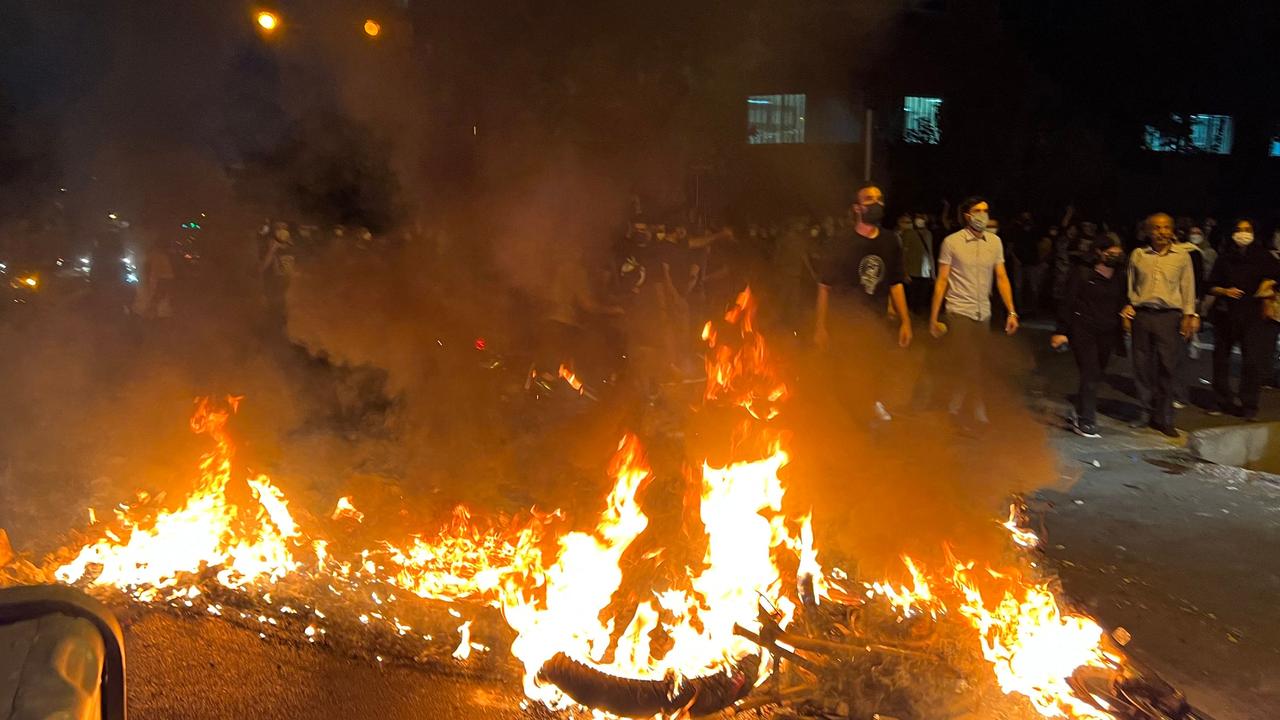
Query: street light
268, 21
372, 28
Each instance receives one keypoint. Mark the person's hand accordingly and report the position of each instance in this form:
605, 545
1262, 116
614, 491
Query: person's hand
937, 329
1057, 341
821, 338
904, 335
1128, 313
1011, 325
1233, 293
1188, 326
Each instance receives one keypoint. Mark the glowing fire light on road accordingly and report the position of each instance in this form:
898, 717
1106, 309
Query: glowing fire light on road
572, 593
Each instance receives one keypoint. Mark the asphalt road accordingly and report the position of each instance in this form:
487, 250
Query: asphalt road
195, 668
1182, 554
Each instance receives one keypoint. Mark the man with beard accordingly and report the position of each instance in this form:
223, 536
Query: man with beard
862, 274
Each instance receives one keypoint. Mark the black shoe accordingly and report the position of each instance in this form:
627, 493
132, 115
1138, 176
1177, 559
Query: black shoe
1167, 430
1087, 430
1143, 420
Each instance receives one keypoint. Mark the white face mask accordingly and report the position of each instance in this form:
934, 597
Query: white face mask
1196, 238
1243, 238
919, 223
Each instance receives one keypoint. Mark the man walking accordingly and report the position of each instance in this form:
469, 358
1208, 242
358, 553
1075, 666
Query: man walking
970, 259
861, 274
1162, 314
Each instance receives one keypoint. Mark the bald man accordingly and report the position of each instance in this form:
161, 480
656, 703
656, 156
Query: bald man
1162, 307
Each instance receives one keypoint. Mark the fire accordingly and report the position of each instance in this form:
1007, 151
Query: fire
571, 378
245, 545
909, 601
1021, 536
738, 368
1033, 646
576, 593
346, 509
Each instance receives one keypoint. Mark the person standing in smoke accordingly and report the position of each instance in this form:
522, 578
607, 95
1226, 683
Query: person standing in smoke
278, 267
862, 274
970, 259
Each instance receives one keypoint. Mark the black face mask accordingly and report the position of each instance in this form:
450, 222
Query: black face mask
1112, 261
872, 214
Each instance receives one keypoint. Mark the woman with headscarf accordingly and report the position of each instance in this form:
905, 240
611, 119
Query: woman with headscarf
1089, 319
1238, 278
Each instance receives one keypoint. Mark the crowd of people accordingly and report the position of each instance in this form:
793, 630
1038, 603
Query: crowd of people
853, 284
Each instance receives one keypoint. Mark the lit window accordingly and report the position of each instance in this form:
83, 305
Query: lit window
1273, 148
920, 124
1192, 133
773, 119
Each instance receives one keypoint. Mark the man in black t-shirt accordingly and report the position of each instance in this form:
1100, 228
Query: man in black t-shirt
861, 275
863, 271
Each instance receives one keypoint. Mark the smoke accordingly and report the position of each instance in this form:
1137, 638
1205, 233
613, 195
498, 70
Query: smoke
476, 199
926, 481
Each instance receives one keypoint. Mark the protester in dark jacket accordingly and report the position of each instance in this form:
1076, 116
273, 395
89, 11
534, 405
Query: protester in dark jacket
1238, 319
1089, 319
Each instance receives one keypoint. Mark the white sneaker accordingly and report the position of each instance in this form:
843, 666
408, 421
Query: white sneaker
1179, 405
882, 413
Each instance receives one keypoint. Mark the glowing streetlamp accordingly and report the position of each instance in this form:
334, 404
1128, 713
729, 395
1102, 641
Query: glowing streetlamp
268, 21
372, 28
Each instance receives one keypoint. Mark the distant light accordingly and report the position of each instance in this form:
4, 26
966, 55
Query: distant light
372, 28
84, 261
131, 278
59, 263
3, 267
753, 101
480, 343
112, 216
268, 21
475, 129
62, 189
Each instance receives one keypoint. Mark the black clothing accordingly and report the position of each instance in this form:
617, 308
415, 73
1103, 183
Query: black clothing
1090, 318
1239, 321
1156, 344
1230, 329
1092, 350
1092, 301
856, 266
1244, 269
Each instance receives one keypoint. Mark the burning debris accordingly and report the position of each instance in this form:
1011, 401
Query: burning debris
600, 618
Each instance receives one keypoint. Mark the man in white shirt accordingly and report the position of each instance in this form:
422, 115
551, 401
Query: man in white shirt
968, 263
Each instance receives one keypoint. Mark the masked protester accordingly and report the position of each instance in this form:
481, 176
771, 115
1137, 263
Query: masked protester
971, 259
917, 253
1236, 285
861, 275
1163, 316
1089, 320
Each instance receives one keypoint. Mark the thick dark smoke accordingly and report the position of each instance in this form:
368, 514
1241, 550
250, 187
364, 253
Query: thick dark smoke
485, 154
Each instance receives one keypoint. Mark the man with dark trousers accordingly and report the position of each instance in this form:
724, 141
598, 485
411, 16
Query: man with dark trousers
1162, 316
